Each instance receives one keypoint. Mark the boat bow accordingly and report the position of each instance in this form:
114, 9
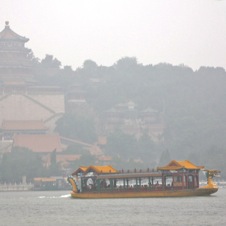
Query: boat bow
71, 180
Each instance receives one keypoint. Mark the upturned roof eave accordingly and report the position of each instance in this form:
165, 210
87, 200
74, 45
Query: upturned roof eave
7, 34
14, 39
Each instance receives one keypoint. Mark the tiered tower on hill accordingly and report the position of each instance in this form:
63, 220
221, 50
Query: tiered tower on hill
15, 58
28, 110
21, 97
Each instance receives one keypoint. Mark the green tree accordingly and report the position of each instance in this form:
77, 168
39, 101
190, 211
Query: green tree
165, 158
90, 65
20, 162
147, 150
77, 127
86, 159
121, 144
50, 62
74, 149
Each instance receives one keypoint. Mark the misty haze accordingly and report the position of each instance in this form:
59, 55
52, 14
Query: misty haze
131, 111
126, 115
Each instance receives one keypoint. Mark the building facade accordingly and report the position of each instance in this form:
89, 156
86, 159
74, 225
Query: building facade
15, 58
21, 97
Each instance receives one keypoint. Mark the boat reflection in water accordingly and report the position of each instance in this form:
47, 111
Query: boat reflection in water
177, 179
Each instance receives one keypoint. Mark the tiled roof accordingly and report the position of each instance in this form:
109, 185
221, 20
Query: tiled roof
96, 169
81, 169
43, 143
8, 34
188, 165
176, 165
102, 169
23, 125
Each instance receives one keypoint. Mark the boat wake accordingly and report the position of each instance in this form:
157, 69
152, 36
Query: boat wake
66, 196
55, 197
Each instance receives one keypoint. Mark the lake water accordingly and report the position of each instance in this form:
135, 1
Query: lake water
57, 208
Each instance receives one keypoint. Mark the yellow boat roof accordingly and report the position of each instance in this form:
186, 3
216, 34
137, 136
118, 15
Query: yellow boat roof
102, 169
81, 169
97, 169
176, 165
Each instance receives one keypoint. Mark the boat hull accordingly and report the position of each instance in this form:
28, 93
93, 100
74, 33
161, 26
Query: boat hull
145, 194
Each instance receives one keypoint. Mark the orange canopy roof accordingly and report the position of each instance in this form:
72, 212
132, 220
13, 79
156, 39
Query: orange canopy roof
81, 169
97, 169
101, 169
176, 165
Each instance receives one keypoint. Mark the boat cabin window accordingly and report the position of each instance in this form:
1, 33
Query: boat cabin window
178, 179
190, 178
169, 181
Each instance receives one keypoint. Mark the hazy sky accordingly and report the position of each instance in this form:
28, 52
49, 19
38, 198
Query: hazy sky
190, 32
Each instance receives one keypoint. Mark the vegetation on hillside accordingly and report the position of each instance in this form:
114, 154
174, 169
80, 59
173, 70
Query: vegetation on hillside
192, 104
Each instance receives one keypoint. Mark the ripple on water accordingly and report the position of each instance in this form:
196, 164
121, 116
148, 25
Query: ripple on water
57, 208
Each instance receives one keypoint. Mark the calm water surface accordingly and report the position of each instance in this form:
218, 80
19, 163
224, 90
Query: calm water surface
57, 208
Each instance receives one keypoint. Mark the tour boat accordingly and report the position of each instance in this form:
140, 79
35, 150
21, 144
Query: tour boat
177, 179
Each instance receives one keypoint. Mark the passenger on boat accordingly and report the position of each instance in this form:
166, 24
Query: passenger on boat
157, 185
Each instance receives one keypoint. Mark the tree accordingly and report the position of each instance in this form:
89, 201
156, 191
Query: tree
126, 63
86, 159
146, 149
90, 65
121, 144
77, 127
20, 162
74, 149
165, 158
50, 62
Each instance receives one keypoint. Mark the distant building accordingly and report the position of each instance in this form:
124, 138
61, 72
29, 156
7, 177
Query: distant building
40, 143
65, 160
43, 144
21, 98
15, 127
75, 99
15, 59
28, 110
127, 118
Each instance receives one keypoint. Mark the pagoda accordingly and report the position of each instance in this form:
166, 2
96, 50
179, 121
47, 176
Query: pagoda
15, 58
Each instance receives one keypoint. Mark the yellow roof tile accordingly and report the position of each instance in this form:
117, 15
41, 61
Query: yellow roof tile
102, 169
96, 169
79, 170
176, 165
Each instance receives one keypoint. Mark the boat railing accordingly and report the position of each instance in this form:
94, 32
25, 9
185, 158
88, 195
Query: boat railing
131, 189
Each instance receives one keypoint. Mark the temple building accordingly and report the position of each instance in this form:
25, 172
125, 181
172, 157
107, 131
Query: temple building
15, 58
130, 120
28, 110
21, 97
12, 128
